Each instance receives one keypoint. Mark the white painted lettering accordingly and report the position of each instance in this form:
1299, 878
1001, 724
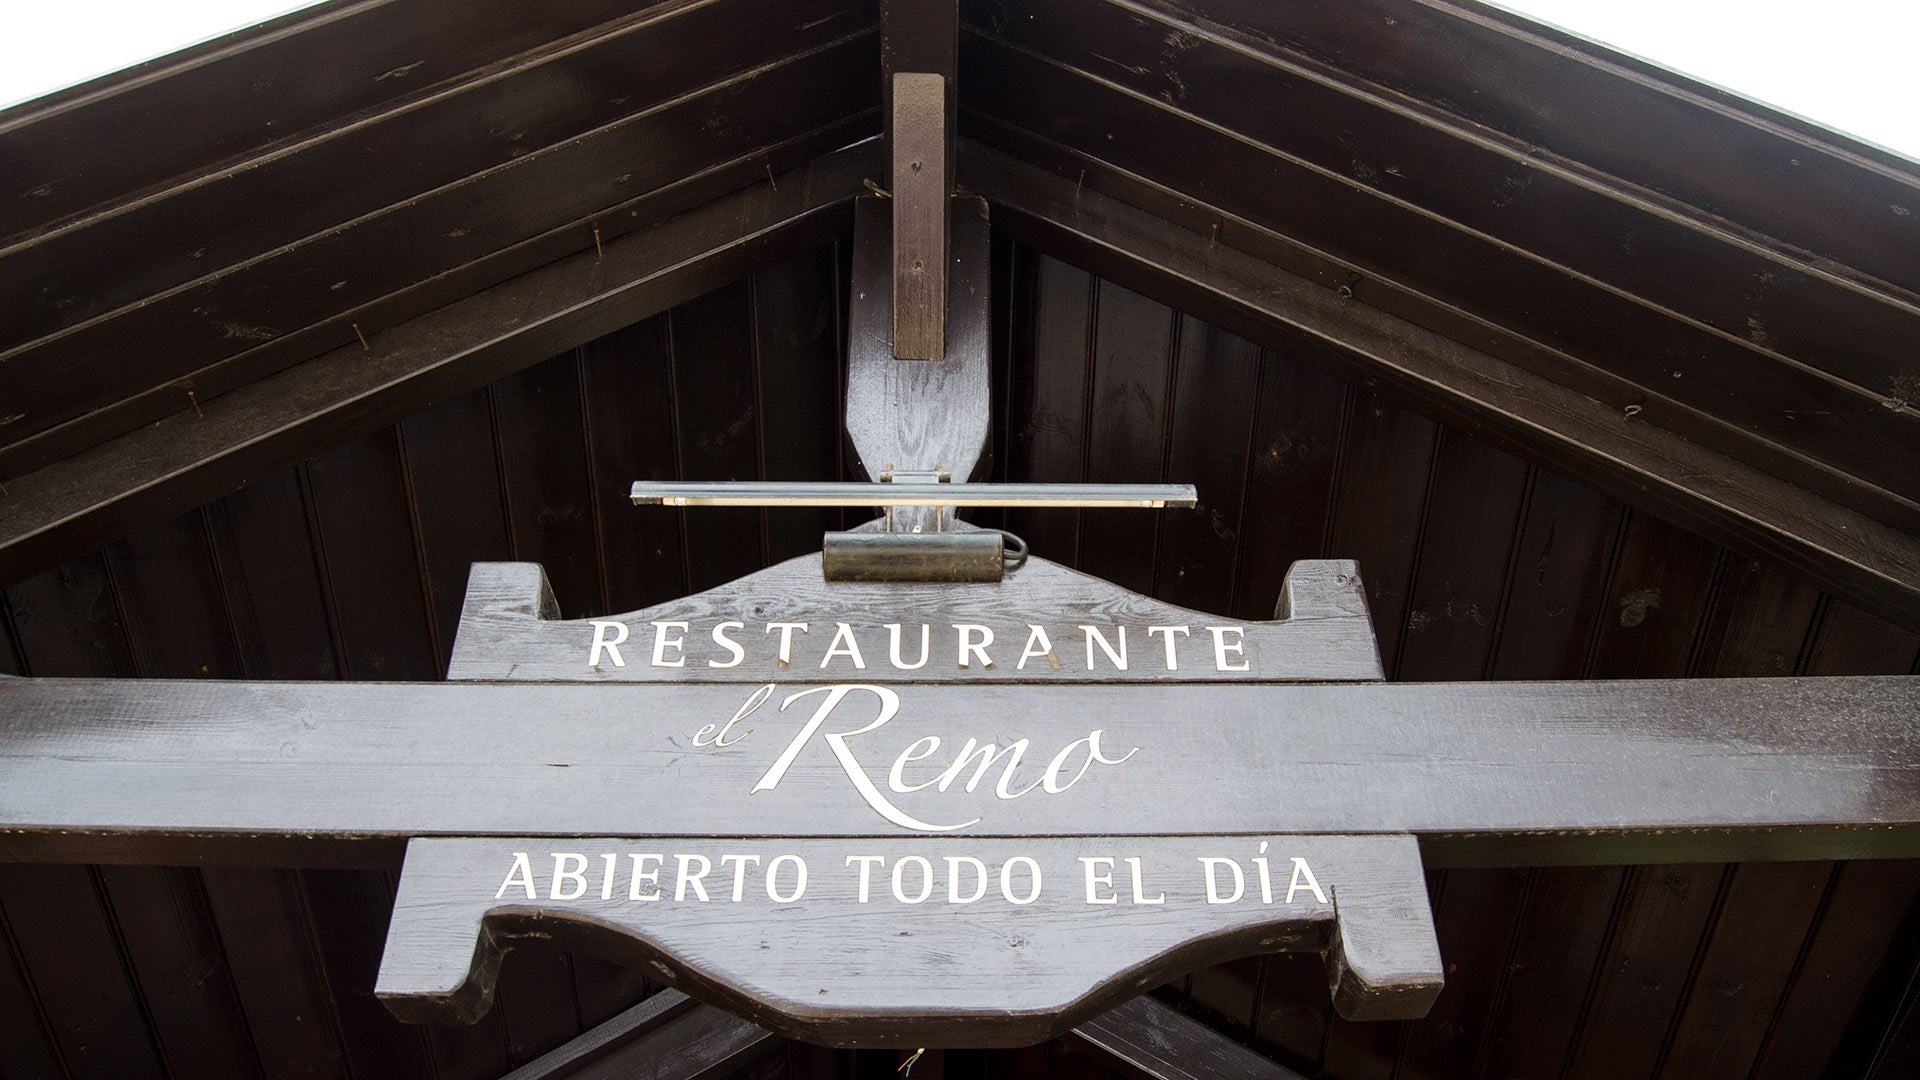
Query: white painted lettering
610, 645
1051, 781
1221, 647
641, 873
844, 632
867, 863
988, 754
1006, 881
953, 879
893, 647
661, 643
799, 879
969, 645
1096, 878
740, 873
786, 639
612, 862
1117, 659
837, 742
695, 881
1266, 874
1139, 887
926, 879
1167, 632
570, 867
1303, 879
721, 639
520, 873
1214, 895
898, 782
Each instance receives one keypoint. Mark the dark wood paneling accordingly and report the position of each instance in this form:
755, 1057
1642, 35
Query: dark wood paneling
271, 952
174, 602
1293, 459
628, 377
348, 911
459, 514
264, 549
1477, 920
1386, 458
1052, 360
1551, 970
1210, 417
551, 504
1127, 437
67, 621
1563, 559
1651, 616
718, 431
150, 342
27, 1041
797, 351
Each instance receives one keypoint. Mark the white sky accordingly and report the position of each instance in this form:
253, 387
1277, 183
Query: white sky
1844, 63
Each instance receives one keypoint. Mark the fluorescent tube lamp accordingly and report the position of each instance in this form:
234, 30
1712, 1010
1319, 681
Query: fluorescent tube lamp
755, 493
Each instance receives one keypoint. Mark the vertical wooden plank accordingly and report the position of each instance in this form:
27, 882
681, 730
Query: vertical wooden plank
67, 621
1385, 460
1555, 957
543, 464
796, 346
922, 151
349, 910
372, 570
263, 922
629, 385
173, 601
181, 967
1290, 1018
1457, 591
714, 400
604, 990
451, 456
1290, 476
26, 1040
1648, 958
1651, 616
537, 1003
1047, 405
1763, 921
65, 940
1562, 562
12, 660
1127, 429
263, 547
1225, 996
1760, 622
1216, 387
1476, 922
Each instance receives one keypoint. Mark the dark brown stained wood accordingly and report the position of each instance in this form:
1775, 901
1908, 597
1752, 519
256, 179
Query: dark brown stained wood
921, 417
363, 530
717, 433
26, 1038
174, 602
1850, 641
1626, 771
270, 85
65, 937
193, 326
1615, 347
922, 35
1563, 559
67, 621
1321, 634
347, 909
1128, 405
1651, 616
537, 1005
457, 283
271, 578
1288, 1021
831, 963
271, 951
1455, 600
687, 1042
1787, 304
188, 231
1477, 919
1569, 97
1556, 948
1865, 561
453, 457
1047, 400
1292, 456
1644, 969
1211, 401
1749, 955
1386, 462
1160, 1043
1761, 622
1846, 988
465, 345
551, 505
628, 381
920, 139
603, 989
796, 312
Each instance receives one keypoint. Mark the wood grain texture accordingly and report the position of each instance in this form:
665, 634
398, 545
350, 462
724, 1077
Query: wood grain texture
1530, 772
924, 416
1320, 633
815, 955
1165, 1045
921, 140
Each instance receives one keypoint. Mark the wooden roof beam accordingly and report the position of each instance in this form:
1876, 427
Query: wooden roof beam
83, 501
1846, 552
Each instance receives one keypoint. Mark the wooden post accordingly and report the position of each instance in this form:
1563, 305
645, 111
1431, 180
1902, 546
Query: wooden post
922, 156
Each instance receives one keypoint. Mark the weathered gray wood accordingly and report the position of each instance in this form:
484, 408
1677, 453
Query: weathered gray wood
1165, 1045
997, 943
928, 416
1704, 770
666, 1037
922, 147
508, 630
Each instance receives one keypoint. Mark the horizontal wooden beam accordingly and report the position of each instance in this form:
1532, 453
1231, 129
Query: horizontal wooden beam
1163, 1044
1700, 770
1843, 550
78, 503
669, 1036
1588, 321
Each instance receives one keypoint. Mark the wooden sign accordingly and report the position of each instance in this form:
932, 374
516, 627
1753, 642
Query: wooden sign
920, 942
